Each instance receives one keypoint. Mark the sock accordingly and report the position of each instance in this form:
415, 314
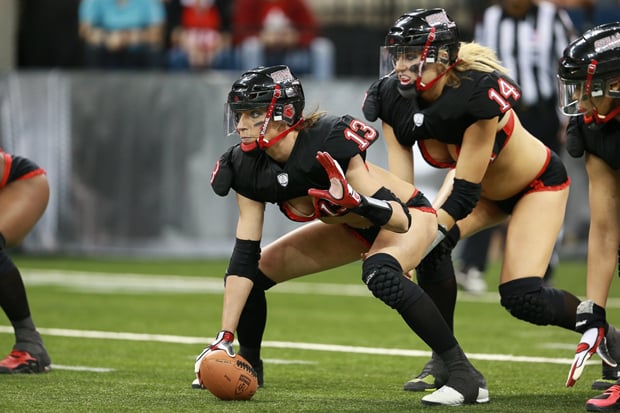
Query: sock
252, 325
441, 287
426, 321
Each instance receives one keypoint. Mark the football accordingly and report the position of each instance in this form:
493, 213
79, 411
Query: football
228, 378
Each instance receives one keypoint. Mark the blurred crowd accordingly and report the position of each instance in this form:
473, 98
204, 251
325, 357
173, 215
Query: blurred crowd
313, 37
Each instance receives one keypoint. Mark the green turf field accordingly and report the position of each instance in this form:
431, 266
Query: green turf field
123, 336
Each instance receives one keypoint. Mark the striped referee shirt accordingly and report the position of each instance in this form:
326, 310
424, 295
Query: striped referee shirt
529, 47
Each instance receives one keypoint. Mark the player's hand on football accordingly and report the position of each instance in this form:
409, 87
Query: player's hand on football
591, 321
223, 341
339, 192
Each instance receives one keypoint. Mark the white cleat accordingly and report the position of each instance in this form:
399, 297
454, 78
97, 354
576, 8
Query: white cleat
196, 384
448, 396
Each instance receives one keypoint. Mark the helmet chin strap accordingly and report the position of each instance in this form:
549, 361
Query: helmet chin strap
264, 144
420, 86
597, 118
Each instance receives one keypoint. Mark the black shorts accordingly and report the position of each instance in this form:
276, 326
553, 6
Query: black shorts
16, 168
552, 177
368, 235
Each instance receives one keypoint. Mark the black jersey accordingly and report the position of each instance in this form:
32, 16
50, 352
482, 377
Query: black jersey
600, 140
257, 176
481, 95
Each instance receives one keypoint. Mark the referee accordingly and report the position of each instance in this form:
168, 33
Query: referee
529, 38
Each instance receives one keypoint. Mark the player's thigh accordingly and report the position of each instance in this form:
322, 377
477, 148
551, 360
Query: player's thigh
309, 249
486, 214
408, 248
532, 232
22, 203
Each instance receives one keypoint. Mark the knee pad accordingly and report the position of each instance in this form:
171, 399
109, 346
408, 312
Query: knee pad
528, 300
384, 277
437, 273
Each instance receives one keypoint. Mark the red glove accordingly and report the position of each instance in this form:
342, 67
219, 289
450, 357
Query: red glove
339, 192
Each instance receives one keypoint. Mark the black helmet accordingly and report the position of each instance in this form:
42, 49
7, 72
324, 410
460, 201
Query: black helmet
589, 65
420, 33
274, 88
425, 26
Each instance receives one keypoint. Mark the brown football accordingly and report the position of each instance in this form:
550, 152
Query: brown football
228, 378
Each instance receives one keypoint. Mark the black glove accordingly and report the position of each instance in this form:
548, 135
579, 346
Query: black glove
372, 101
574, 140
443, 249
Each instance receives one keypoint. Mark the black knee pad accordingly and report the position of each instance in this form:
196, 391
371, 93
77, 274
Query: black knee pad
436, 273
384, 277
527, 299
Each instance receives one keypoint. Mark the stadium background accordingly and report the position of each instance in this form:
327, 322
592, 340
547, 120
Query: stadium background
129, 155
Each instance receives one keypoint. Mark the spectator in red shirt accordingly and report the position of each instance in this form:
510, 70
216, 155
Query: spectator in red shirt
201, 38
272, 32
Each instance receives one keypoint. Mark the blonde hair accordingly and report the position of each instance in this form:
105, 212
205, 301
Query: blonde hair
474, 56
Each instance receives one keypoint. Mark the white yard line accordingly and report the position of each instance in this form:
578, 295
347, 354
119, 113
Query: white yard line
165, 338
140, 283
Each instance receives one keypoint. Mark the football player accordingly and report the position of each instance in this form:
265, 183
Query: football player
589, 82
455, 101
314, 169
24, 193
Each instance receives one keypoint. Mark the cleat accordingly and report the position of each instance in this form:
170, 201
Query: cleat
602, 384
465, 385
471, 281
610, 374
258, 368
609, 378
22, 362
434, 375
448, 396
606, 402
196, 384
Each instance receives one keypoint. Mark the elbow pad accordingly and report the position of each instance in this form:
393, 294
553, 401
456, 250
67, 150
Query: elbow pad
463, 199
244, 259
376, 208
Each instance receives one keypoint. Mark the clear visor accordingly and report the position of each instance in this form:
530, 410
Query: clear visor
571, 93
231, 118
402, 56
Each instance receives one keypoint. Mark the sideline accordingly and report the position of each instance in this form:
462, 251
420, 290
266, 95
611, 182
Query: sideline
131, 283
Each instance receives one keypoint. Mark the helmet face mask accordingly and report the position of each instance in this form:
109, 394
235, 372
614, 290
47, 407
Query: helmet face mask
274, 90
589, 70
412, 56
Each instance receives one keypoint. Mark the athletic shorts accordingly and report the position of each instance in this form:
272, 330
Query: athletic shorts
368, 235
16, 168
552, 177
